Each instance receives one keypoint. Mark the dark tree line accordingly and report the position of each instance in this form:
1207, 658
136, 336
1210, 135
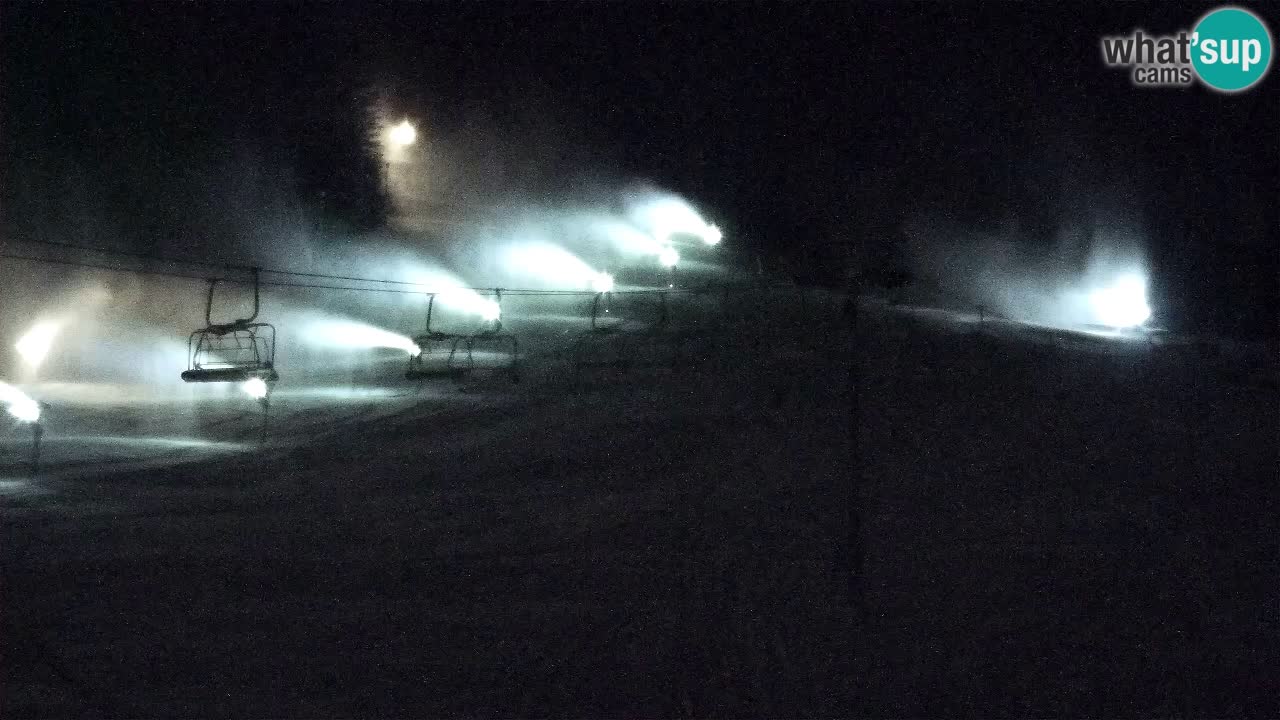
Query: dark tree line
129, 117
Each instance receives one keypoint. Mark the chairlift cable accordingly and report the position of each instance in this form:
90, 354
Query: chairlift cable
516, 292
294, 273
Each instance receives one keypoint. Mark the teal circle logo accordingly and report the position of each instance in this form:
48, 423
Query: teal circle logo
1231, 49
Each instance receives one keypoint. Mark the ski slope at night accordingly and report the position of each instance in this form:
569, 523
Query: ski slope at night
609, 360
664, 542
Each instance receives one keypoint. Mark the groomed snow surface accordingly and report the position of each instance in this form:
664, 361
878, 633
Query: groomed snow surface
1060, 527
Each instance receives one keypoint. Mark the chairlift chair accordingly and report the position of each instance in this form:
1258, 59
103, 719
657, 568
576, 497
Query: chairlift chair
609, 345
603, 346
237, 351
450, 354
431, 359
493, 336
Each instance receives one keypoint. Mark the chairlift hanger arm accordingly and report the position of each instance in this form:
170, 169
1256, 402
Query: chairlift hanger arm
208, 307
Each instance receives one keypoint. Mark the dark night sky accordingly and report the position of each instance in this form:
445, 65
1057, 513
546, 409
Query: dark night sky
803, 124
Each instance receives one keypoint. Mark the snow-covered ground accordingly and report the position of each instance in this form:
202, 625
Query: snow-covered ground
1048, 527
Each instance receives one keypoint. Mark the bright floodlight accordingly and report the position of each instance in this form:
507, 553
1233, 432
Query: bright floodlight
668, 216
35, 344
403, 134
356, 335
628, 238
466, 300
668, 257
21, 406
552, 265
712, 235
255, 388
25, 411
602, 283
1122, 305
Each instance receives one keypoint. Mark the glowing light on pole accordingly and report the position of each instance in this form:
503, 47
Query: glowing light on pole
668, 257
35, 344
24, 409
403, 135
602, 283
21, 406
1123, 304
27, 411
712, 235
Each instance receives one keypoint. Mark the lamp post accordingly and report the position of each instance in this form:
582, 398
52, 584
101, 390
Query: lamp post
395, 140
403, 135
37, 432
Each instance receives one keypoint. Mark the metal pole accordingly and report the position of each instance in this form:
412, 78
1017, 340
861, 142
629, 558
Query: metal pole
854, 550
595, 309
266, 415
37, 432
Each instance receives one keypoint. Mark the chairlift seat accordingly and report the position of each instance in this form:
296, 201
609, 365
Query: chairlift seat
510, 346
429, 363
231, 352
424, 372
230, 374
431, 360
618, 345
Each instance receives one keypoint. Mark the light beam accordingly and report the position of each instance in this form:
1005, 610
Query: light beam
352, 334
21, 405
34, 346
